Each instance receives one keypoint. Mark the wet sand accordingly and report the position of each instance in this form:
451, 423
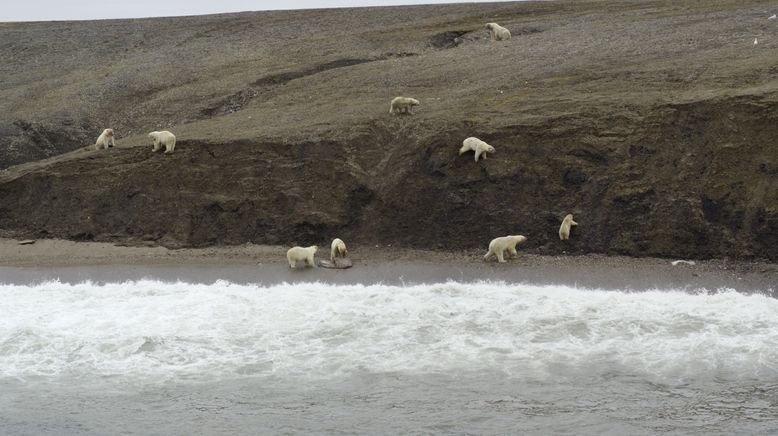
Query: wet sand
70, 261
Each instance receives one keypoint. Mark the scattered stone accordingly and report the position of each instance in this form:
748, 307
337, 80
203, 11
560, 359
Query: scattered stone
27, 242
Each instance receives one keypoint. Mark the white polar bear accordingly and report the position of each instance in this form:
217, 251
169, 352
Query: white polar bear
478, 146
498, 246
105, 140
564, 229
403, 105
163, 138
302, 253
497, 32
338, 247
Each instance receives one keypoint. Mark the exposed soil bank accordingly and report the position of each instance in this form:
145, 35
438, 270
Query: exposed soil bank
653, 123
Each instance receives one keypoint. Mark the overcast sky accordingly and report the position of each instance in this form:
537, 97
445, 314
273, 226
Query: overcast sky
44, 10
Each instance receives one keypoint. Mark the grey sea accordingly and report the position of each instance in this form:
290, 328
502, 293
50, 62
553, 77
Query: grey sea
167, 357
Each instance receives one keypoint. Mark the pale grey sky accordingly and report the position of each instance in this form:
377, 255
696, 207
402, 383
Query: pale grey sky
45, 10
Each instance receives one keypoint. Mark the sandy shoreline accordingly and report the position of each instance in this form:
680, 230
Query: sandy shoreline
71, 261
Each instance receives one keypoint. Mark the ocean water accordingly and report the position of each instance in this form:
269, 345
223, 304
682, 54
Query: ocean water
168, 358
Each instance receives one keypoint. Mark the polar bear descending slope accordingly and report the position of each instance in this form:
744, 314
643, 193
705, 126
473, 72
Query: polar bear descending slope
163, 138
306, 254
403, 105
497, 32
498, 246
478, 146
564, 229
338, 247
105, 140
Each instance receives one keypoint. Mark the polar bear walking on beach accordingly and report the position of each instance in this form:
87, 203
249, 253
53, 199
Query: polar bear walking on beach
564, 229
105, 140
478, 146
497, 32
338, 247
163, 138
498, 246
403, 105
306, 254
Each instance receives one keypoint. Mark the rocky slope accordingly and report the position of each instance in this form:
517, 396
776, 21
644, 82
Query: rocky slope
653, 122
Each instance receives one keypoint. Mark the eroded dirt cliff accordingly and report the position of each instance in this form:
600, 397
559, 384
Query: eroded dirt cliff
654, 123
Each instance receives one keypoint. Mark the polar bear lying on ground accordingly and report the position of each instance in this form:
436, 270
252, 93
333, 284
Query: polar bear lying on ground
564, 229
163, 138
403, 105
498, 246
478, 146
338, 247
497, 32
105, 140
306, 254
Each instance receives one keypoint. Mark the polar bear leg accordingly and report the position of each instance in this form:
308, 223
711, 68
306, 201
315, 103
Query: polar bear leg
477, 155
292, 261
309, 260
111, 144
513, 252
500, 257
156, 146
488, 254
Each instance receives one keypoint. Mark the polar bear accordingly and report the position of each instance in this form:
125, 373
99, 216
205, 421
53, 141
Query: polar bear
478, 146
403, 105
105, 140
564, 229
338, 247
497, 32
163, 138
498, 246
302, 253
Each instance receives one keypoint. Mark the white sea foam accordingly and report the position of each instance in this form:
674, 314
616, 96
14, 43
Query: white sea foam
149, 331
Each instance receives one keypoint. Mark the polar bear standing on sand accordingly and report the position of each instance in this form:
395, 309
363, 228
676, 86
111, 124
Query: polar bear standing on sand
478, 146
403, 105
338, 247
497, 32
498, 246
306, 254
564, 230
105, 140
163, 138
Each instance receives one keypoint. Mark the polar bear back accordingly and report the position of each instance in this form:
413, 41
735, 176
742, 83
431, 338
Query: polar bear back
295, 254
504, 242
338, 247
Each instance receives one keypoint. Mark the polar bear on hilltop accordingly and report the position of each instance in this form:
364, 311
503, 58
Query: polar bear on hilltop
338, 247
478, 146
105, 140
564, 229
163, 138
403, 105
498, 246
306, 254
497, 32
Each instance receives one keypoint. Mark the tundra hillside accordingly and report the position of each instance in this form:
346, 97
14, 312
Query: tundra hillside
653, 123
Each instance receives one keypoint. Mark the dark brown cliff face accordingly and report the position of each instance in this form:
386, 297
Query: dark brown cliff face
654, 124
